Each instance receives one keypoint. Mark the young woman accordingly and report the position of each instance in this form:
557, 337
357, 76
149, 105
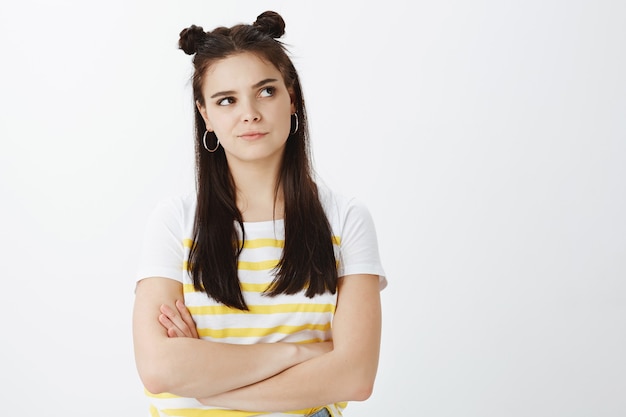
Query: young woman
260, 293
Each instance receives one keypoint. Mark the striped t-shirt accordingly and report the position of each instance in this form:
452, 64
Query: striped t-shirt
282, 318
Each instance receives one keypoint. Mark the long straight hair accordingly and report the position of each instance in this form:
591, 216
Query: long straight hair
308, 262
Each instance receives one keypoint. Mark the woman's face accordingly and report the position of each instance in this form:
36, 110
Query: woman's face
248, 106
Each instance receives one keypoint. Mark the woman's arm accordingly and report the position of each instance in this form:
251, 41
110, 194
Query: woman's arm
192, 367
347, 373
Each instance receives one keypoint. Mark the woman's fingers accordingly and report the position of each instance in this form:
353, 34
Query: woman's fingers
178, 323
172, 330
186, 316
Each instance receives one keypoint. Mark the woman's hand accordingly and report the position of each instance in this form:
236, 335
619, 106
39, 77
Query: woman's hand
178, 323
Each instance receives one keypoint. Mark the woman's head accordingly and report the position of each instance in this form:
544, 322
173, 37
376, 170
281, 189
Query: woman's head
259, 39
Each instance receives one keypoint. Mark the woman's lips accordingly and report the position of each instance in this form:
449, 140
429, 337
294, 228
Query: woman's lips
252, 135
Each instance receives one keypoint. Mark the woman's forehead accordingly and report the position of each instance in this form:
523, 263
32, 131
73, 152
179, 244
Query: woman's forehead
241, 70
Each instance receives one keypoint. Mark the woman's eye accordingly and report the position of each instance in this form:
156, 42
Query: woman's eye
226, 101
267, 92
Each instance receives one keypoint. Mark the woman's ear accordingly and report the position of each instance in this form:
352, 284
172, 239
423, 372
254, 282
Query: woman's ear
202, 111
292, 95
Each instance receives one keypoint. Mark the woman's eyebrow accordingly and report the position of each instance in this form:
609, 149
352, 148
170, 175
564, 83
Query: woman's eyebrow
257, 85
263, 82
223, 93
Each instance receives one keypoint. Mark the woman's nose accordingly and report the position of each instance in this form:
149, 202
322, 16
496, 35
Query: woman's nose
250, 113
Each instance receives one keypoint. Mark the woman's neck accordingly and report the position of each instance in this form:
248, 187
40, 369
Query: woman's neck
257, 198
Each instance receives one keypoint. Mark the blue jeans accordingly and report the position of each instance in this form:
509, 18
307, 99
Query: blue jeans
322, 413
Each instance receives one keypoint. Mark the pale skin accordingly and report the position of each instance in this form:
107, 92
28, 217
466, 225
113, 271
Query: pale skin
248, 106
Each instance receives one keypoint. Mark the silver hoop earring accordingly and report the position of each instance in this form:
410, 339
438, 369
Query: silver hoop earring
296, 124
217, 145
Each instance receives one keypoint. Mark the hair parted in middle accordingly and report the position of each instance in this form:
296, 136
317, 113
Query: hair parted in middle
308, 260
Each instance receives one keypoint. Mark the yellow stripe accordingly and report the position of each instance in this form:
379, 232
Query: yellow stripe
263, 309
195, 412
245, 286
315, 340
259, 331
162, 395
338, 407
250, 287
250, 244
154, 412
257, 266
248, 266
263, 243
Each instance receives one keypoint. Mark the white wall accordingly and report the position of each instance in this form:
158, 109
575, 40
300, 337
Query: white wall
488, 139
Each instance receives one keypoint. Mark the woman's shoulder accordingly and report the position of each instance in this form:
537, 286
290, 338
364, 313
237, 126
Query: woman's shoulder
180, 200
338, 205
176, 207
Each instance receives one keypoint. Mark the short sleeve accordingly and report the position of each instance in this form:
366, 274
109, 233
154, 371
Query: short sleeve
358, 253
162, 251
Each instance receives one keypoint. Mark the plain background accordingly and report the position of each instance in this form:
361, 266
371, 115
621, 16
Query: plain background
488, 139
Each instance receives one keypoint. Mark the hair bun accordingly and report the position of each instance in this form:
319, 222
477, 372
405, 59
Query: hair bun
189, 39
270, 23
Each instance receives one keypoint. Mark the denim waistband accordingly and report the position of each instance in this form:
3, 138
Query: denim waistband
321, 413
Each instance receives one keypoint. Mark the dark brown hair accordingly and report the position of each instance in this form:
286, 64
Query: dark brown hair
308, 261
